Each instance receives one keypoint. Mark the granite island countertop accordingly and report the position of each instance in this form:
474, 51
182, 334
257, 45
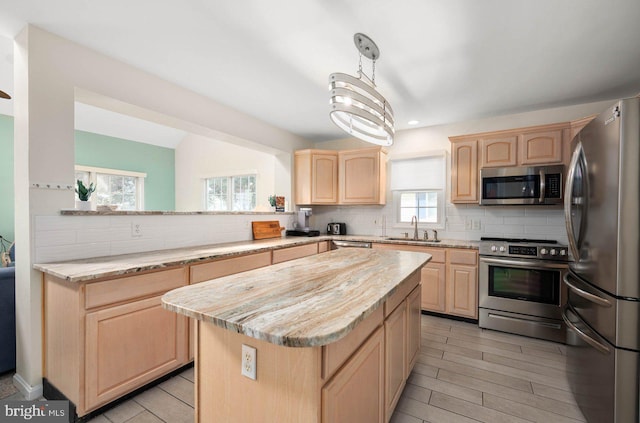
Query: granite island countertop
84, 270
306, 302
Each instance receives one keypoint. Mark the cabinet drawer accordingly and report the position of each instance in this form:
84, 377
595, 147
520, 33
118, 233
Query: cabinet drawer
292, 253
336, 353
220, 268
123, 289
468, 257
437, 254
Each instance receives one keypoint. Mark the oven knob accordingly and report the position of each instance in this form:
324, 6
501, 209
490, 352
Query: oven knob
543, 251
494, 248
563, 252
502, 249
553, 252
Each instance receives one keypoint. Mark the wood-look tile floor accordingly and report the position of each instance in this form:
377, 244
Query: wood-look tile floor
463, 374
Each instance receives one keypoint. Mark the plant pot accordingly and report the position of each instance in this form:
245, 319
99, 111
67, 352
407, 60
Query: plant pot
83, 205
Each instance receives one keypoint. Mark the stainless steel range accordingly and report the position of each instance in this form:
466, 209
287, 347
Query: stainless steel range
520, 287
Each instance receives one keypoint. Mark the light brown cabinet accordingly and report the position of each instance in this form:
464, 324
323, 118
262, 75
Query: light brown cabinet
340, 177
130, 345
464, 171
356, 392
316, 177
462, 283
498, 152
532, 146
106, 338
414, 323
449, 280
362, 176
540, 147
395, 346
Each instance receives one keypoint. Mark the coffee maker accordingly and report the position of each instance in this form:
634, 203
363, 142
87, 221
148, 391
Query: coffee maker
301, 226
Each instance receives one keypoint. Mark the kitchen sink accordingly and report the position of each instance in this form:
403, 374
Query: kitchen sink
424, 241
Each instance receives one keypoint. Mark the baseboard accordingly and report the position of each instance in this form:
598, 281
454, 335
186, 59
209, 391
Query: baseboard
30, 392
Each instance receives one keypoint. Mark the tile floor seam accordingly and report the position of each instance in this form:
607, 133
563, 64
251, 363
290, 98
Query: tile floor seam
150, 412
179, 399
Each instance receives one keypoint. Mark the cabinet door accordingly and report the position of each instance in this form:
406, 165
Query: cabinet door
293, 253
360, 178
395, 346
433, 287
356, 393
130, 345
315, 177
499, 151
541, 147
464, 172
324, 178
462, 291
413, 329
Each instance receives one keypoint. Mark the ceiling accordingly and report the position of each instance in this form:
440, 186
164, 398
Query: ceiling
440, 62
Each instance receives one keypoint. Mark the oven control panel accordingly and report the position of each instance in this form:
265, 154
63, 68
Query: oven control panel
524, 250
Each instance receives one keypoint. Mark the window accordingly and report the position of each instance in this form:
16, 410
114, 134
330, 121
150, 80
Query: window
418, 186
231, 193
114, 187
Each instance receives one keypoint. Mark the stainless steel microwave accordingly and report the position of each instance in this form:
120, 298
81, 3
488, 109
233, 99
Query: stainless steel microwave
536, 185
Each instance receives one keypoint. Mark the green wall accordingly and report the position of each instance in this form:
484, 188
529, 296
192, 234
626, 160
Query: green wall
99, 151
116, 153
6, 177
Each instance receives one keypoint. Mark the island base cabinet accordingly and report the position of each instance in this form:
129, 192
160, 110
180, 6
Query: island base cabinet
355, 394
395, 333
286, 389
125, 350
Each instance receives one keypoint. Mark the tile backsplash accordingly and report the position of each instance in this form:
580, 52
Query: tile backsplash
467, 222
59, 238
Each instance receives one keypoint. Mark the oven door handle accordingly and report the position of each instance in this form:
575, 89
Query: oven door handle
583, 293
522, 263
586, 338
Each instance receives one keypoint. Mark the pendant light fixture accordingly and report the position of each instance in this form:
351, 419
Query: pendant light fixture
4, 95
356, 107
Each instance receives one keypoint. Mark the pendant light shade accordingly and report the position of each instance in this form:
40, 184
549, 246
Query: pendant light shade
355, 105
4, 95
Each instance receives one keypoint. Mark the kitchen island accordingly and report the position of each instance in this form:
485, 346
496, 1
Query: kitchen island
336, 336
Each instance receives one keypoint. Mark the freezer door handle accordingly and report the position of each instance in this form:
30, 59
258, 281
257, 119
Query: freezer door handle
583, 293
586, 338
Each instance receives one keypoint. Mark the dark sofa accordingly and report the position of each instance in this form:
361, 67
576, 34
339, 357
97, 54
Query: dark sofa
8, 316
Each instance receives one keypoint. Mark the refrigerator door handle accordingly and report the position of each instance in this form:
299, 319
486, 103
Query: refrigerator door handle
586, 338
583, 293
568, 201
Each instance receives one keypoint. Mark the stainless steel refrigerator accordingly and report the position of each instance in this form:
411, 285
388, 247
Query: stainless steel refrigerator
602, 210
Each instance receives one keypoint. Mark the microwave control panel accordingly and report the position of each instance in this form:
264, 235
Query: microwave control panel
553, 185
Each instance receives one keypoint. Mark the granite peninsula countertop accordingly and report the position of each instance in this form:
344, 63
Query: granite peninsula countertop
307, 302
83, 270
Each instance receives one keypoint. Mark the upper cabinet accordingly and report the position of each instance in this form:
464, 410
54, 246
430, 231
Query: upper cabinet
340, 177
532, 146
316, 177
464, 171
362, 176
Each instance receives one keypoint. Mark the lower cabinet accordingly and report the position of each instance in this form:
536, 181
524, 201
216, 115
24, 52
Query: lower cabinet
395, 348
129, 346
106, 338
449, 280
356, 392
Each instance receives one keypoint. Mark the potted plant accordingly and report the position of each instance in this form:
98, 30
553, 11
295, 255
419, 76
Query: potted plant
84, 194
272, 202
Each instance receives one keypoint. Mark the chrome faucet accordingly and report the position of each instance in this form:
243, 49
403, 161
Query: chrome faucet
414, 222
435, 235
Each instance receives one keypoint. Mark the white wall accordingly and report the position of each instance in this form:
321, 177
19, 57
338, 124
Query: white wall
462, 221
50, 74
197, 158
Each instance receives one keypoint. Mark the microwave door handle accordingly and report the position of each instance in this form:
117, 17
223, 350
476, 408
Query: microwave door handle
542, 186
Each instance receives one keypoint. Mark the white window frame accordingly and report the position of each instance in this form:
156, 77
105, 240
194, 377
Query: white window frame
230, 177
93, 178
440, 191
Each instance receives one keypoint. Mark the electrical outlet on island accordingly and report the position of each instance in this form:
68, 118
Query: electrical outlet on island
249, 362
